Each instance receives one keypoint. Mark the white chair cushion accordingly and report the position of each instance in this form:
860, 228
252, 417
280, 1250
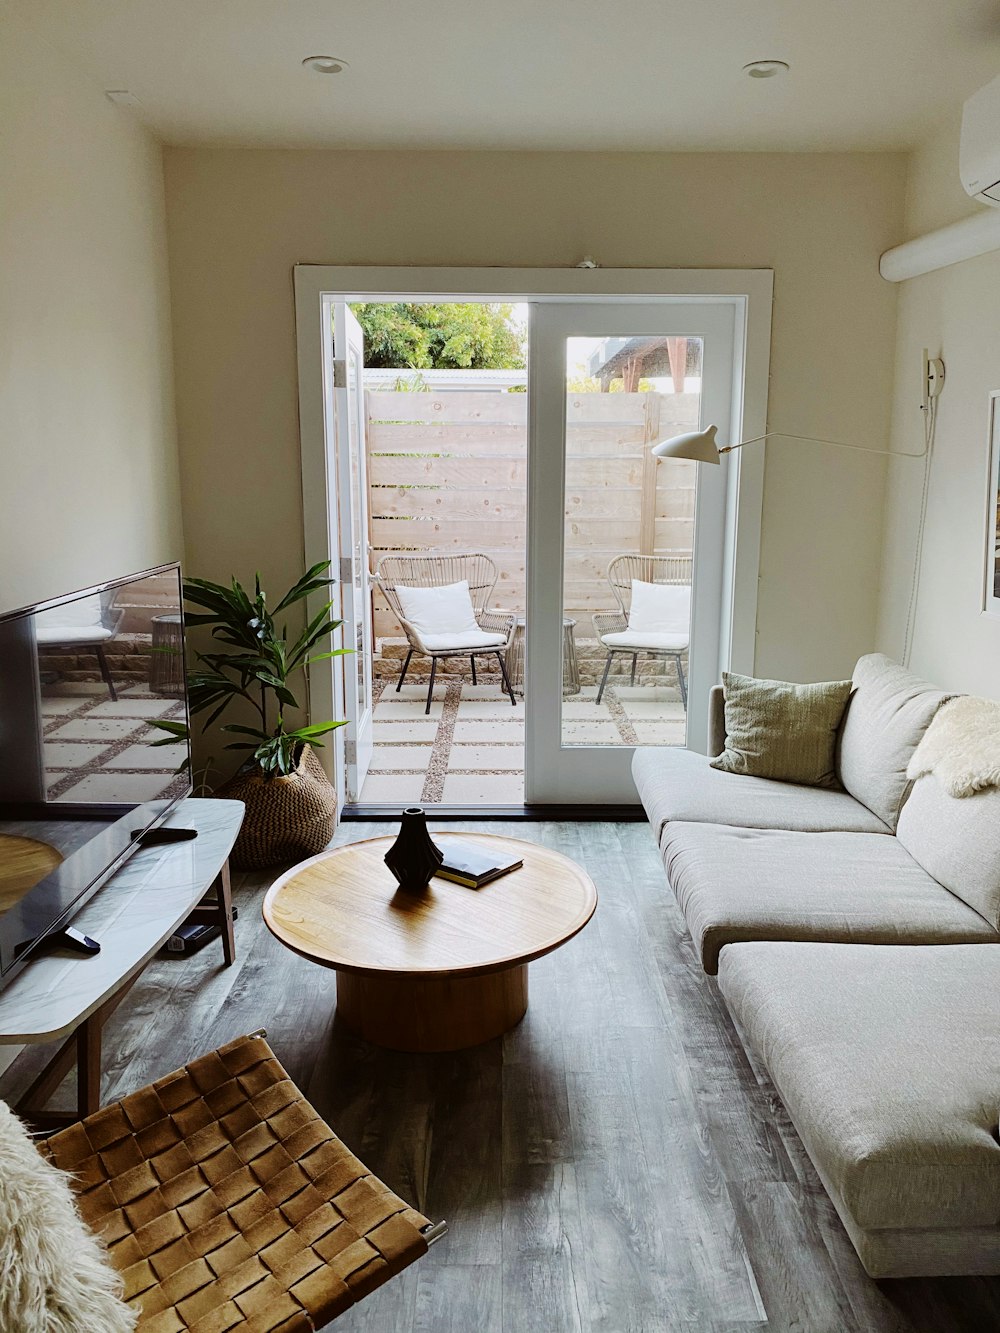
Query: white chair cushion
444, 610
649, 642
79, 621
72, 634
471, 639
660, 608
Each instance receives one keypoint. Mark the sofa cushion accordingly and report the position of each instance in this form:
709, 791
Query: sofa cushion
889, 712
679, 784
957, 840
888, 1061
737, 884
777, 729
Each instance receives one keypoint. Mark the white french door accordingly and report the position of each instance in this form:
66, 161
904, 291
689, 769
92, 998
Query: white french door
723, 318
602, 389
351, 468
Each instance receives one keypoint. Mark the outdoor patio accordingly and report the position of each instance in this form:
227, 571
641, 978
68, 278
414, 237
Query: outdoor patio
447, 474
470, 750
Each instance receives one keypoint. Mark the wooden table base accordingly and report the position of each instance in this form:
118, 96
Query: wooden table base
413, 1013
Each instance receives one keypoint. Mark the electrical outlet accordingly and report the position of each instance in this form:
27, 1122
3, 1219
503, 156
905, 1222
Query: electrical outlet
933, 377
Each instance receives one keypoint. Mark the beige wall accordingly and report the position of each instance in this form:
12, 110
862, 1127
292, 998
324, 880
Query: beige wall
955, 313
240, 219
88, 465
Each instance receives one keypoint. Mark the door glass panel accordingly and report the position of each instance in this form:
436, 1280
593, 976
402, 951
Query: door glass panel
359, 533
629, 521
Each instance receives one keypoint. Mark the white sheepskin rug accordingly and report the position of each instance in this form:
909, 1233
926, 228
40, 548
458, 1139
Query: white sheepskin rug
54, 1273
961, 747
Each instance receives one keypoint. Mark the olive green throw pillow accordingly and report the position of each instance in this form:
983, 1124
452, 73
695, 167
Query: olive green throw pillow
778, 730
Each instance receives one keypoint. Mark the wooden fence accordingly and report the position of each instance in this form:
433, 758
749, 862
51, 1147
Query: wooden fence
448, 472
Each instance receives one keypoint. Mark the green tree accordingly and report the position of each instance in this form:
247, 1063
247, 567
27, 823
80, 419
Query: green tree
421, 335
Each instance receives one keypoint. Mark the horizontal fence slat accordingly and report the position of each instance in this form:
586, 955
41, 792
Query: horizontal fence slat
491, 471
451, 506
404, 438
506, 471
496, 408
402, 535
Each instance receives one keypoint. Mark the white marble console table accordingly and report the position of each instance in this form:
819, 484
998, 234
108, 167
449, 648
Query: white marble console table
131, 916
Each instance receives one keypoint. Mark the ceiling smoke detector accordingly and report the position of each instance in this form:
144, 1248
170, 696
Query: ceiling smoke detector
765, 69
324, 64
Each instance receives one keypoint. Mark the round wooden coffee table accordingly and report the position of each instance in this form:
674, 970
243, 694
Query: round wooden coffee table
437, 971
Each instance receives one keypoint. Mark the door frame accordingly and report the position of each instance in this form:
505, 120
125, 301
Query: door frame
750, 291
351, 442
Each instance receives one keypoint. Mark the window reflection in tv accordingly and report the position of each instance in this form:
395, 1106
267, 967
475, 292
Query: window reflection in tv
83, 683
109, 665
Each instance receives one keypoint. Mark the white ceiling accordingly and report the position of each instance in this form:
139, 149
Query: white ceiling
535, 74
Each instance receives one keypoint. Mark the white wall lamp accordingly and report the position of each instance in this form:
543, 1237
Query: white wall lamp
703, 447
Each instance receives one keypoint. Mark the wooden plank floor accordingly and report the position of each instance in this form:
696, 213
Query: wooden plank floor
616, 1163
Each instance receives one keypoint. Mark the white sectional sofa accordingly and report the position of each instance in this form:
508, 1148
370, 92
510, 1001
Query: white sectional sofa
848, 931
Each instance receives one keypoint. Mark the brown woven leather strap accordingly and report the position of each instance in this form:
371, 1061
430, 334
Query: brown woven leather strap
227, 1203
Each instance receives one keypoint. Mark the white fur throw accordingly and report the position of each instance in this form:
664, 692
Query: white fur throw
54, 1273
961, 747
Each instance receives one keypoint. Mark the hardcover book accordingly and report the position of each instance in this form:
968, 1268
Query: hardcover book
472, 865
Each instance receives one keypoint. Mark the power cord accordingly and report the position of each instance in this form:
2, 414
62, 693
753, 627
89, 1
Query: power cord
930, 429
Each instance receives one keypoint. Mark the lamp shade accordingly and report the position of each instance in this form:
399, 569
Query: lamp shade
701, 445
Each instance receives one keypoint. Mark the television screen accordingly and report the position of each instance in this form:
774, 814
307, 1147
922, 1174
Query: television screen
84, 679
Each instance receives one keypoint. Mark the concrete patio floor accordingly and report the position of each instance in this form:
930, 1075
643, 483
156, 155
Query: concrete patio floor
470, 750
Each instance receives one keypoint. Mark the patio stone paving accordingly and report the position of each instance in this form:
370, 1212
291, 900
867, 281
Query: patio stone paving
484, 788
487, 758
470, 750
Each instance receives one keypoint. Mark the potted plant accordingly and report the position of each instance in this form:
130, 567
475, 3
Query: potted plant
290, 803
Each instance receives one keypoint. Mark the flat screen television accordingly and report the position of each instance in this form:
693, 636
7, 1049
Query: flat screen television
83, 678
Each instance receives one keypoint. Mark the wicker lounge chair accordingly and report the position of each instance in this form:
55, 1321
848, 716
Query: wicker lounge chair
491, 633
612, 628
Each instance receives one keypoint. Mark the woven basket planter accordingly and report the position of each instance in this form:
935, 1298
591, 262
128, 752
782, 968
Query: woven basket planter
287, 818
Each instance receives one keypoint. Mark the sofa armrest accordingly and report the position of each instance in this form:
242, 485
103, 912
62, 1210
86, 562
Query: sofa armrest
716, 721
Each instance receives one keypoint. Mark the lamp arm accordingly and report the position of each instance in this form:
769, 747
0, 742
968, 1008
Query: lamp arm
818, 439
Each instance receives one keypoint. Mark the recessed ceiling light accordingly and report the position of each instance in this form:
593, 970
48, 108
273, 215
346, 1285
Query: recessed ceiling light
765, 69
325, 64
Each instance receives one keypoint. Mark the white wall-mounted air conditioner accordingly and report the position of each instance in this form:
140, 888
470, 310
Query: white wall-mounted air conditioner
979, 155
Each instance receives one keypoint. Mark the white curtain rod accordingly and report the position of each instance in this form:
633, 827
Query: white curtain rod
976, 235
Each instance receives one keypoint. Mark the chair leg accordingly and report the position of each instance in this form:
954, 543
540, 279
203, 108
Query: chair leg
106, 672
682, 683
604, 678
402, 674
506, 682
473, 661
635, 658
430, 687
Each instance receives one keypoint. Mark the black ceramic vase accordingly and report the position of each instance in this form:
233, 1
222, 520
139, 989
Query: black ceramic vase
413, 858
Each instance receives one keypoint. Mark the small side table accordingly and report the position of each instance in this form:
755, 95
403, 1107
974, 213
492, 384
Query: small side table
166, 662
515, 658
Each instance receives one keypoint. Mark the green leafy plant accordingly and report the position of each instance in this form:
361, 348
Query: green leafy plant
441, 335
255, 665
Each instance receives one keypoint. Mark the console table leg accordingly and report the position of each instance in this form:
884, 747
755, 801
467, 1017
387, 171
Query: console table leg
225, 893
82, 1047
88, 1065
